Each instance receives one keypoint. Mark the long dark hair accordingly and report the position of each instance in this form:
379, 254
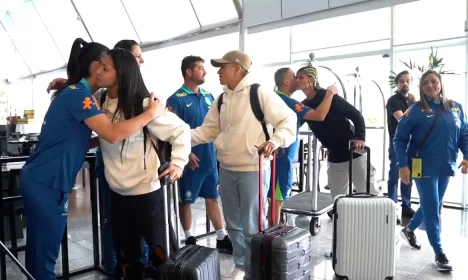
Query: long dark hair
132, 91
82, 55
126, 44
422, 103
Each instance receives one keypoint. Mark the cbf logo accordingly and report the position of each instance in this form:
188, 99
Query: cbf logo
208, 100
188, 195
65, 208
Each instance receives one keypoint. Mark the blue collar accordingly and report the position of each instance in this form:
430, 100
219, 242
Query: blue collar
85, 83
189, 91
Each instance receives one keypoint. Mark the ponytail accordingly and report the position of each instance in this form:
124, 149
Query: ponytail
82, 55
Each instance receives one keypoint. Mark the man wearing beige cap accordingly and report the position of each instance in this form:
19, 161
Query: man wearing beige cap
238, 136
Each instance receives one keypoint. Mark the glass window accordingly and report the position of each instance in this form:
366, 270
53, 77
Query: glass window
343, 30
9, 56
40, 97
20, 97
33, 40
224, 11
268, 46
69, 28
411, 20
106, 21
454, 58
383, 45
162, 73
161, 20
265, 76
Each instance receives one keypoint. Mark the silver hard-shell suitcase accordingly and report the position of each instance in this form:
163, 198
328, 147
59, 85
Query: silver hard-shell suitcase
280, 252
364, 235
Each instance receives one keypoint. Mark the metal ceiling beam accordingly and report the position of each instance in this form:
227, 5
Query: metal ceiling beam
196, 15
199, 35
81, 20
15, 46
238, 5
48, 31
131, 21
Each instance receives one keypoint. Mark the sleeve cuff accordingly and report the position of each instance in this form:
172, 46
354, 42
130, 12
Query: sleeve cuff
275, 142
179, 162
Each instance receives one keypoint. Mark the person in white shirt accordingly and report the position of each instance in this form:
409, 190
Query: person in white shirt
131, 166
238, 137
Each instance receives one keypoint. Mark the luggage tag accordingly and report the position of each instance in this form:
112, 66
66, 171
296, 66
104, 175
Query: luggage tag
416, 170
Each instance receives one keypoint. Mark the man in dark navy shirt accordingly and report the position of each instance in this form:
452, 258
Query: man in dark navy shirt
397, 104
335, 132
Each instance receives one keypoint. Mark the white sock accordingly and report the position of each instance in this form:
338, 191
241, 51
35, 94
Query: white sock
188, 233
221, 234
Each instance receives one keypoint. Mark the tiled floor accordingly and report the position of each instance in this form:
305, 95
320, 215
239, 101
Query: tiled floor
411, 265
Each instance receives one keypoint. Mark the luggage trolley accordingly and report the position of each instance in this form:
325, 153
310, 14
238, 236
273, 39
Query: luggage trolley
311, 202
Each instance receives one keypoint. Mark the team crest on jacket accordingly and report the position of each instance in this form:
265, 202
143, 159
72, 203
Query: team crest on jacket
208, 100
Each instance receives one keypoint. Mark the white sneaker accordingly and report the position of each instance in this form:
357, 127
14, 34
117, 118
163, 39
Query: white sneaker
237, 274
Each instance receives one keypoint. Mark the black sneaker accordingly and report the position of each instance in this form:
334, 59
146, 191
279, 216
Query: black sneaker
442, 263
407, 212
410, 237
191, 241
225, 245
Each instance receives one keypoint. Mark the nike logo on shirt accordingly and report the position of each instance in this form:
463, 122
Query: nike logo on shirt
188, 105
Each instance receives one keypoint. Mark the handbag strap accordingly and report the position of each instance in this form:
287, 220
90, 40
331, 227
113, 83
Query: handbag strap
428, 133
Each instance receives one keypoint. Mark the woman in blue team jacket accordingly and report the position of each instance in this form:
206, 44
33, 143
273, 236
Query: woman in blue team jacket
438, 155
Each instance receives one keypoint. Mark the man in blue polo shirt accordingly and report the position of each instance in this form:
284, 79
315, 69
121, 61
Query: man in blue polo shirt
285, 81
200, 178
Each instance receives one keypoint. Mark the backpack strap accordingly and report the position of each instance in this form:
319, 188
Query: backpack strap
220, 102
257, 109
103, 98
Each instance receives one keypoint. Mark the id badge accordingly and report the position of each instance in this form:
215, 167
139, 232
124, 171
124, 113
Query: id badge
416, 168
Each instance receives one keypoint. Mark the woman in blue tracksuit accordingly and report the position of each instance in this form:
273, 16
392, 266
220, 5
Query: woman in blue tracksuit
437, 156
49, 174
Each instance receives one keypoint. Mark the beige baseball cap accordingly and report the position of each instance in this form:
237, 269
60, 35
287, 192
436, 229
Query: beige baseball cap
236, 57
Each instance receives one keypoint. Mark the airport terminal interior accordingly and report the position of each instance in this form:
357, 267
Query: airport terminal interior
357, 45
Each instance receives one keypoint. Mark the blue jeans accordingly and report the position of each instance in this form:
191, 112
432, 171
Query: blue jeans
393, 178
108, 254
431, 192
239, 194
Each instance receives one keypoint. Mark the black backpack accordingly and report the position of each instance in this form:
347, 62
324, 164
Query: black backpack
163, 149
255, 105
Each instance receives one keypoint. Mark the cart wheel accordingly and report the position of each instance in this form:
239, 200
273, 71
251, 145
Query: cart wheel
314, 226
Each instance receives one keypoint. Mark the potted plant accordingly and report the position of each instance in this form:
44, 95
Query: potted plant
435, 63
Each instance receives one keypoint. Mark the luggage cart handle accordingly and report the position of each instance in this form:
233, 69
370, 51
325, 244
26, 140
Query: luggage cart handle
165, 185
352, 150
260, 189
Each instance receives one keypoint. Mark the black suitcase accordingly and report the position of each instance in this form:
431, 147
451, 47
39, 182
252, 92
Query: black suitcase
192, 262
281, 252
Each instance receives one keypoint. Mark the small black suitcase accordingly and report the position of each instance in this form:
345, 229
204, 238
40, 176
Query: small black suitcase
192, 262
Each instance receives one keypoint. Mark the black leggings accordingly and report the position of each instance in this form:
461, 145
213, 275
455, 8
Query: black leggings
133, 219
